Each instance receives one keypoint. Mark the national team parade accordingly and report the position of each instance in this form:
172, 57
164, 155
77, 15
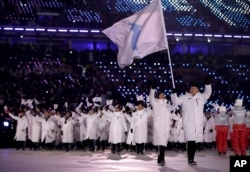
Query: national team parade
153, 124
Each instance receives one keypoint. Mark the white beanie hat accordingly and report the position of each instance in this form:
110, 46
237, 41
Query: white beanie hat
222, 109
238, 102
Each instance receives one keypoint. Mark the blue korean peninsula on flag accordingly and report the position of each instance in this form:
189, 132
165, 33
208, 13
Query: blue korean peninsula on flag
139, 35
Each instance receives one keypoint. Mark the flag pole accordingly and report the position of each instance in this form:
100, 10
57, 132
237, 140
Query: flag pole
170, 66
168, 53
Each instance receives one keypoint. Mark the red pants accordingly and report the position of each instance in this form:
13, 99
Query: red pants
221, 138
248, 137
231, 140
239, 139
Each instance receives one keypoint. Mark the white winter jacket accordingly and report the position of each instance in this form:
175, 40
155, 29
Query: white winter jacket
192, 112
161, 120
22, 125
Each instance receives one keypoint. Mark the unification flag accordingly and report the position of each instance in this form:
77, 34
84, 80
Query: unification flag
139, 35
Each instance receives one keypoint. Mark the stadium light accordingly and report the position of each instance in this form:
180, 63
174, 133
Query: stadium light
29, 29
19, 29
8, 28
94, 31
73, 30
6, 124
51, 30
40, 29
62, 30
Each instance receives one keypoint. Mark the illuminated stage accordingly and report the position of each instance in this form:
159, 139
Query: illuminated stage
12, 160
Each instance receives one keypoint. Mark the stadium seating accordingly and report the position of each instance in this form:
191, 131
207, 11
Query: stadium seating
209, 15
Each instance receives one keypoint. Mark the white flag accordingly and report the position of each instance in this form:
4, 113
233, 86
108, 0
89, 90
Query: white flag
109, 102
55, 106
97, 99
139, 35
140, 98
88, 103
130, 105
30, 103
23, 102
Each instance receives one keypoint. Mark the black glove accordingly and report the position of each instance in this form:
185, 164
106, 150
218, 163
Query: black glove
153, 85
173, 90
131, 130
208, 80
211, 130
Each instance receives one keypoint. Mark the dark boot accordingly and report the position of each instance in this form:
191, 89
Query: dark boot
161, 155
118, 148
103, 142
141, 148
113, 149
137, 148
191, 152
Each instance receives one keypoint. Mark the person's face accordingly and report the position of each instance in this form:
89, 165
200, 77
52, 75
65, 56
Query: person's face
208, 115
21, 114
193, 90
117, 109
46, 114
91, 111
67, 115
140, 107
161, 96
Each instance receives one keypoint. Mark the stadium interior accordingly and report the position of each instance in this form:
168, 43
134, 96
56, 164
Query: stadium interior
54, 51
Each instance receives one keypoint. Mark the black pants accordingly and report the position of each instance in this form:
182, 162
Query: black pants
101, 144
29, 144
199, 146
140, 148
116, 148
84, 144
191, 149
67, 146
91, 145
182, 146
20, 144
35, 145
48, 146
161, 154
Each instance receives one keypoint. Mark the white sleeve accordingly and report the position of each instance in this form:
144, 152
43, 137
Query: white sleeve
175, 99
13, 116
152, 97
207, 92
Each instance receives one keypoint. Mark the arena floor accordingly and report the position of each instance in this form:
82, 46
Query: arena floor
12, 160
